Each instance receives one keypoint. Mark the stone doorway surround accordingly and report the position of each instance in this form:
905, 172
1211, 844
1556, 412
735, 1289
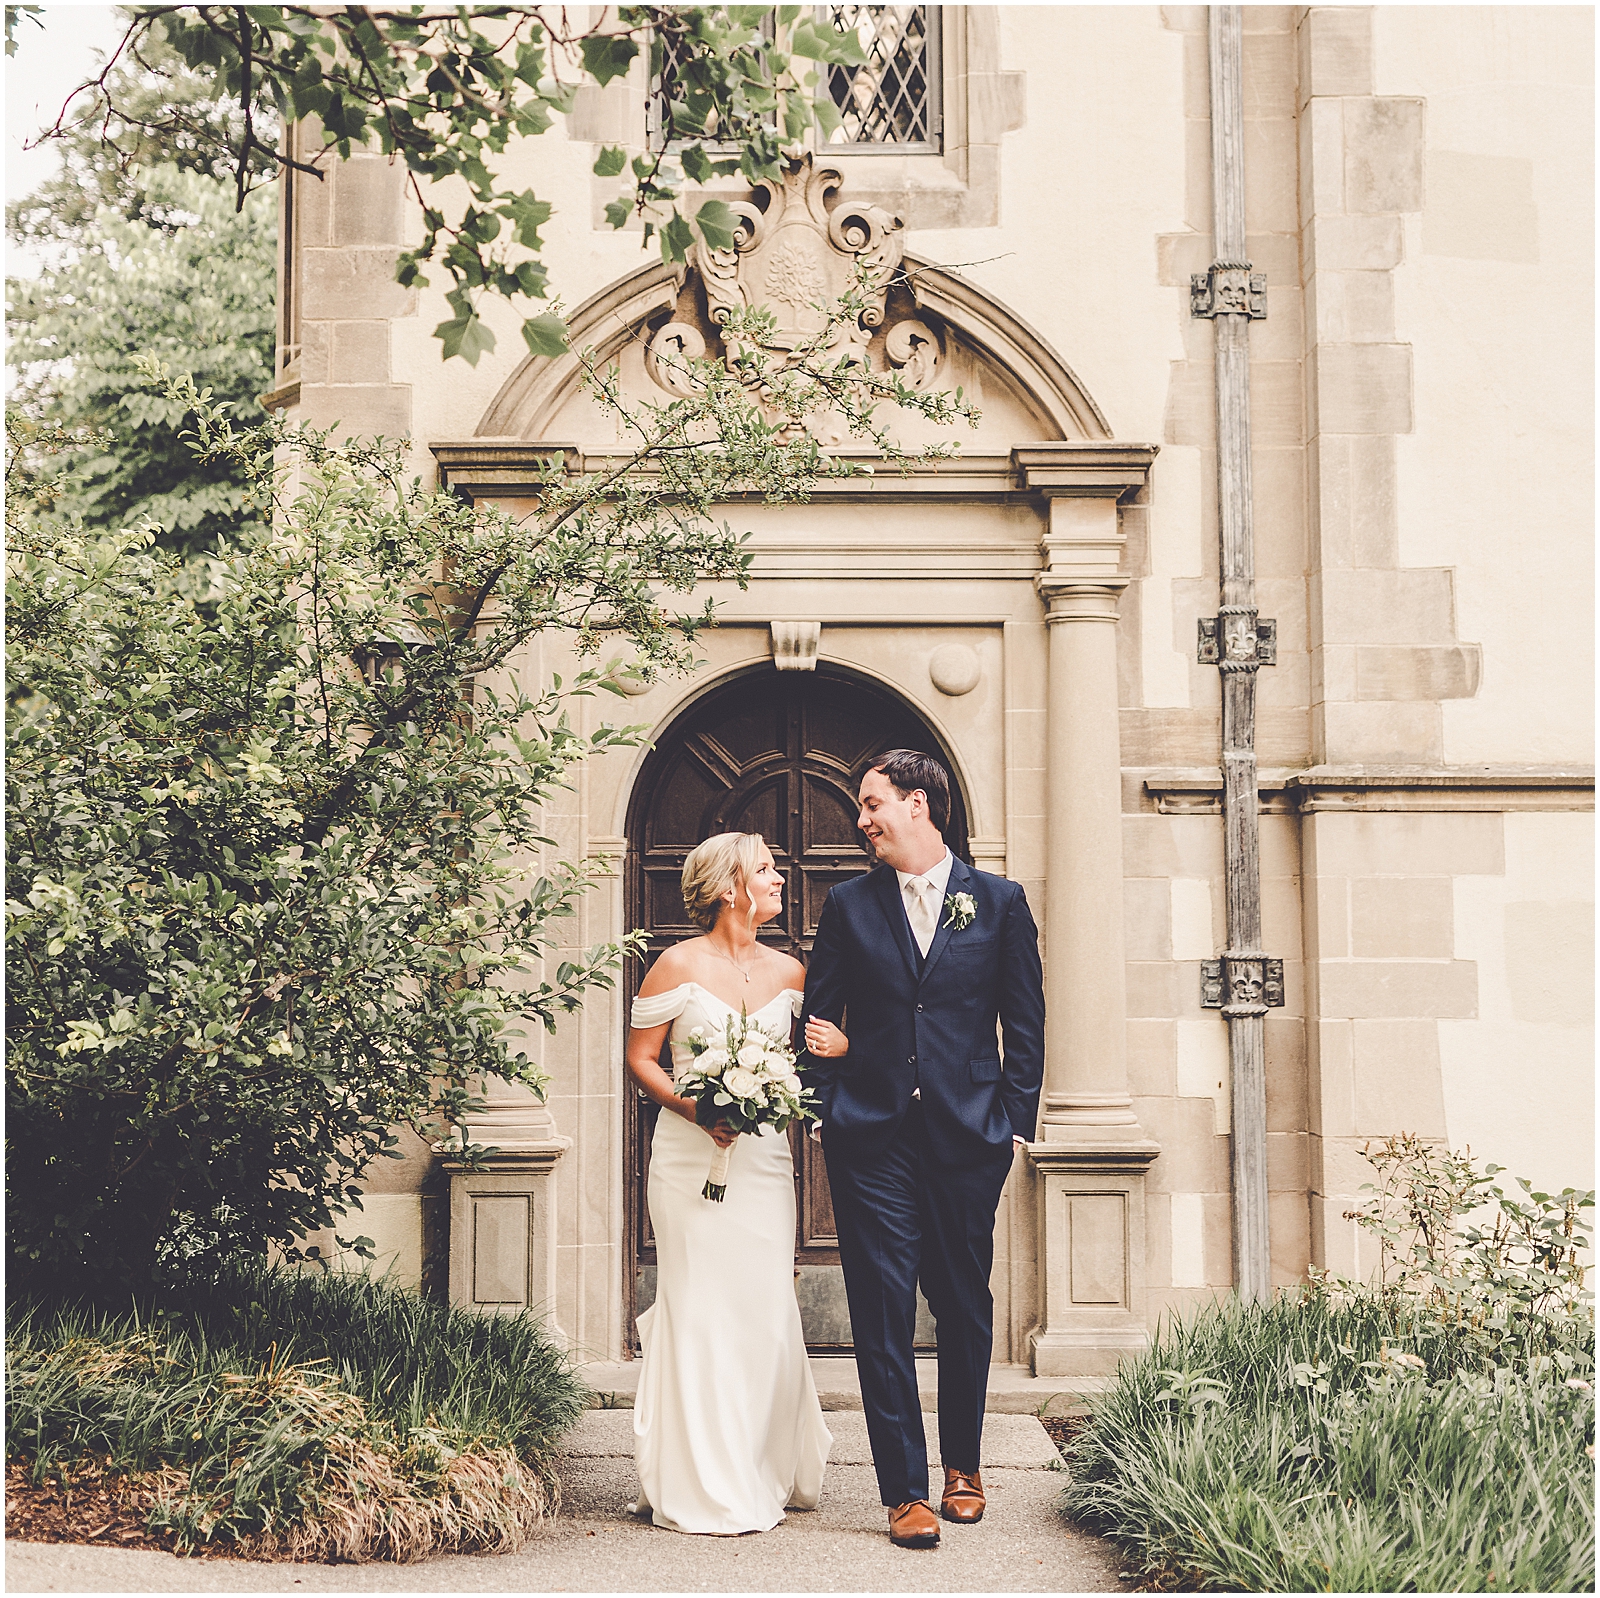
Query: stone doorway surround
1009, 561
1070, 1269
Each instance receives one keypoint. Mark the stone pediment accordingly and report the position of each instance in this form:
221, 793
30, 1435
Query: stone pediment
798, 246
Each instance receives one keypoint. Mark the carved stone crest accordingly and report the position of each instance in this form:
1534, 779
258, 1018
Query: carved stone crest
795, 257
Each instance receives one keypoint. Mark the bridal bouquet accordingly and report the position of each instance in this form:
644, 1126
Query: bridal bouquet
744, 1076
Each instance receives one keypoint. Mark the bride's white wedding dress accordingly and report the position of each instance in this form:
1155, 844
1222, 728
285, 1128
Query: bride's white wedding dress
727, 1428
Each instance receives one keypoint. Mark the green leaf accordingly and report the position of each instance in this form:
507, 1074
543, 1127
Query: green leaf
611, 160
717, 224
14, 16
696, 163
827, 117
545, 335
794, 116
676, 239
607, 56
532, 279
527, 215
618, 211
818, 43
467, 336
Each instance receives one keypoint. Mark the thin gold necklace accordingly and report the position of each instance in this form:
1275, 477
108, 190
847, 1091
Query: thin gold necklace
731, 961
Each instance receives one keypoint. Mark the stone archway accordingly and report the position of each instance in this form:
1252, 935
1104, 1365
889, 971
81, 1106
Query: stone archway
780, 754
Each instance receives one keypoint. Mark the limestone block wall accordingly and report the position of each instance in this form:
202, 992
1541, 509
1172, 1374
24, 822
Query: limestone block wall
1494, 294
1518, 1080
1385, 650
348, 229
1443, 223
1419, 199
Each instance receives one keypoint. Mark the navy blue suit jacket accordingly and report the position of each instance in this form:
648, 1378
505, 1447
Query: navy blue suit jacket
929, 1022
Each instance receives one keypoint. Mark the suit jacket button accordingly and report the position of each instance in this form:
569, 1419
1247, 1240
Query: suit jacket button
919, 1006
911, 1059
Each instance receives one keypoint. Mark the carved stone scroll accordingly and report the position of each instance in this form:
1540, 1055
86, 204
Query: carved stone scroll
913, 346
795, 259
669, 355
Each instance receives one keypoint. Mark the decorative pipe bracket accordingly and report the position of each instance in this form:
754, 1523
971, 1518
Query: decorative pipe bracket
1238, 640
1229, 288
1248, 984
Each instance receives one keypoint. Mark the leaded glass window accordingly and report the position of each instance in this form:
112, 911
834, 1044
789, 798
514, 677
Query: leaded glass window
894, 98
667, 52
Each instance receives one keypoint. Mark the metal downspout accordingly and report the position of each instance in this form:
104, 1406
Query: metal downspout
1238, 647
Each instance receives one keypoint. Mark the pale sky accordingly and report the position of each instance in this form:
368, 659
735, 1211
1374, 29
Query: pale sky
50, 62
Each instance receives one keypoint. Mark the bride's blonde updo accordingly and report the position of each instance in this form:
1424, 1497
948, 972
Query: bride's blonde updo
728, 860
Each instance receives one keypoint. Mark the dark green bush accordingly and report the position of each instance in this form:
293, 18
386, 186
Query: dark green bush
316, 1414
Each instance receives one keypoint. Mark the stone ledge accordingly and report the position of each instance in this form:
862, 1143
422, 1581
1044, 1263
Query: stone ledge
486, 467
1012, 1390
1322, 789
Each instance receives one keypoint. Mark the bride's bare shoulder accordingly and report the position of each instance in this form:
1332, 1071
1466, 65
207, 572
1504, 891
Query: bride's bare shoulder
673, 967
794, 972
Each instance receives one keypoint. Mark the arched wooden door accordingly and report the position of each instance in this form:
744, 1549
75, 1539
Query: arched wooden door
782, 754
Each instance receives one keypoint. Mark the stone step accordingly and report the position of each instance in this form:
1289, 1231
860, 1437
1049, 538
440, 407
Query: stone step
1012, 1389
1010, 1442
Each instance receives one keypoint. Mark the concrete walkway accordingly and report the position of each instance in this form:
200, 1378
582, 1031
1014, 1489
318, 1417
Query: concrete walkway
595, 1545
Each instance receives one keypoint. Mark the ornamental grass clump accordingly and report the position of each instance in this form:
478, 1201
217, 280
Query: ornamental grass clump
305, 1417
1430, 1430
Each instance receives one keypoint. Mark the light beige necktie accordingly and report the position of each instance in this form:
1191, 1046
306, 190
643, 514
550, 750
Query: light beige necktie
922, 915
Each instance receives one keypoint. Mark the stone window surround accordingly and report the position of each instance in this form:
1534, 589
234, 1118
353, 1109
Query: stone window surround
958, 188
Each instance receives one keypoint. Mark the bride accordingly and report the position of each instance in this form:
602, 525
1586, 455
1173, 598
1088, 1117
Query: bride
727, 1427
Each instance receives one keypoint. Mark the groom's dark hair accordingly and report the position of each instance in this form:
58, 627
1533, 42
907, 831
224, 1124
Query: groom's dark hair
910, 769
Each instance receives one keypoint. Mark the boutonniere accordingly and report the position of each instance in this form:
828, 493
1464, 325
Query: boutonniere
961, 910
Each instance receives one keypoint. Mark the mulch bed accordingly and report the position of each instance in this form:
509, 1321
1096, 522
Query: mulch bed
1063, 1429
100, 1510
105, 1511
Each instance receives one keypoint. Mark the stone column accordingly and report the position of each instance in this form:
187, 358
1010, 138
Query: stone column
1092, 1154
503, 1211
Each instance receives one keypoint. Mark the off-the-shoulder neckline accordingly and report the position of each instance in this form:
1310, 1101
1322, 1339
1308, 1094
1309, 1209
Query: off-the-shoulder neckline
647, 997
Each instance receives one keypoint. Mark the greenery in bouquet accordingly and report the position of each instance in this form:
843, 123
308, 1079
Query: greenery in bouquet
744, 1078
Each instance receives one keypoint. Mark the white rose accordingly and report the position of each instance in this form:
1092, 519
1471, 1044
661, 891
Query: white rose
712, 1063
793, 1083
751, 1056
740, 1082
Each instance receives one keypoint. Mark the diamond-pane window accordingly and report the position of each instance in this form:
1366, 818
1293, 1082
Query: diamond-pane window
895, 97
674, 50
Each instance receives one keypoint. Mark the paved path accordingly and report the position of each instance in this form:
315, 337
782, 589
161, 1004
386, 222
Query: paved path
1021, 1545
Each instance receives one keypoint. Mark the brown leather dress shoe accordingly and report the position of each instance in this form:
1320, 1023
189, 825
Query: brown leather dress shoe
913, 1526
963, 1496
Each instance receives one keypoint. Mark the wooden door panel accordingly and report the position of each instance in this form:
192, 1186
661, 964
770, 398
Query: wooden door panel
688, 791
830, 817
781, 755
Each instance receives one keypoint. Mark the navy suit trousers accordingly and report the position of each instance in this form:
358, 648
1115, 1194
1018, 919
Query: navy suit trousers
903, 1220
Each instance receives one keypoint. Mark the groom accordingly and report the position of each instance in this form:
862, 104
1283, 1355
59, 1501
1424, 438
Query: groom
920, 1117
